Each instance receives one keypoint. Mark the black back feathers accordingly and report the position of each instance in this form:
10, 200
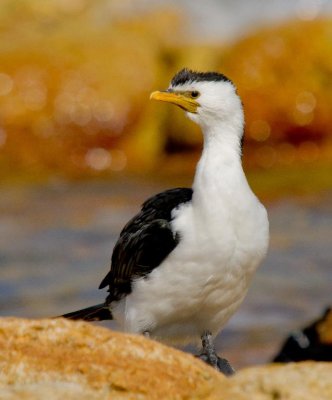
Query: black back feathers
144, 242
188, 76
99, 312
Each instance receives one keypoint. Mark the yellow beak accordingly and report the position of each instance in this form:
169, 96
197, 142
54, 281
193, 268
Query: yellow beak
180, 99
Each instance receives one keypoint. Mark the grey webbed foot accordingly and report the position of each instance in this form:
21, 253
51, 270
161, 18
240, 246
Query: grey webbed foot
210, 356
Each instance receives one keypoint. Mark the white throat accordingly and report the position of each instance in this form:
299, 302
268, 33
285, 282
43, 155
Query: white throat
219, 172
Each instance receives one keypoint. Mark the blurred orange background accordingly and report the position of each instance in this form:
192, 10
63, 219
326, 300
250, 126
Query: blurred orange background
75, 79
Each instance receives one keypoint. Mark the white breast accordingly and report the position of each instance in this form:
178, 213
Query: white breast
203, 281
223, 238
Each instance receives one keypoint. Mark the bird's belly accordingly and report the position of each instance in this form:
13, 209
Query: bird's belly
179, 300
198, 287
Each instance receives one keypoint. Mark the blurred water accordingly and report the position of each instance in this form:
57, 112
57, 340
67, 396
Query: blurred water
56, 242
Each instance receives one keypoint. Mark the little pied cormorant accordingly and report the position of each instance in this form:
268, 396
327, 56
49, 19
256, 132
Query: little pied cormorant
181, 267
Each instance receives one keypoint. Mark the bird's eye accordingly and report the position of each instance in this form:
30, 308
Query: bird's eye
194, 94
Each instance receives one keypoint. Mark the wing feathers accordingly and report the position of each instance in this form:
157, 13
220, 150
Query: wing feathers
144, 242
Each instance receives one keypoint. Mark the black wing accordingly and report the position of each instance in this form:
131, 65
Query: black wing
144, 242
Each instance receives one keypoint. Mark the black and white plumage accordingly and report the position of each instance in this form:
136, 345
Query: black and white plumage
181, 267
144, 242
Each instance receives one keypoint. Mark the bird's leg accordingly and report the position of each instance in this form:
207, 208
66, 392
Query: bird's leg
146, 334
208, 349
210, 356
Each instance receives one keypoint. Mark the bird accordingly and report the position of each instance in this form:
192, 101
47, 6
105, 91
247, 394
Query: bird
182, 266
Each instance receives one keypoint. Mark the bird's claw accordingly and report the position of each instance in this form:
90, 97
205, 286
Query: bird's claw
225, 367
220, 364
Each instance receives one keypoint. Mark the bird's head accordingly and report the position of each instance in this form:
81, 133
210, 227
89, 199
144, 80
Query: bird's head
209, 98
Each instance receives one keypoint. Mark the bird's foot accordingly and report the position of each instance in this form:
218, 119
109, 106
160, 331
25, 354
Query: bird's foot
210, 356
220, 364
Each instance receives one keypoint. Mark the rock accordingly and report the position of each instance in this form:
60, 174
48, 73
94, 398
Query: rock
294, 381
59, 359
313, 342
62, 359
324, 329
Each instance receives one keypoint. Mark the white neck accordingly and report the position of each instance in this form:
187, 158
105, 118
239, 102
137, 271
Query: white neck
219, 173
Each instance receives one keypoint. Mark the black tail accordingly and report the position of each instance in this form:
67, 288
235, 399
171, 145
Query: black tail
98, 312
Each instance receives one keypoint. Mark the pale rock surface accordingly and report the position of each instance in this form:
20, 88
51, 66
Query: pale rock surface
62, 359
58, 359
306, 380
